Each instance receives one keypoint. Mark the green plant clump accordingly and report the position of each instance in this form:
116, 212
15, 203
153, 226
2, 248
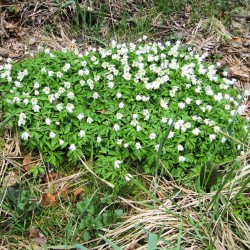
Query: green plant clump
114, 105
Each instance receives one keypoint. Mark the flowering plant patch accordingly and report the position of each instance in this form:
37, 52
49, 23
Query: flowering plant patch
115, 104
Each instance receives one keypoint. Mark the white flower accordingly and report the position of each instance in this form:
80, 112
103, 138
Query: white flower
46, 90
138, 145
80, 117
61, 142
127, 76
121, 105
110, 85
181, 105
51, 98
157, 147
180, 148
128, 177
119, 116
164, 104
135, 116
70, 107
36, 108
118, 95
80, 72
198, 102
182, 158
212, 137
216, 129
47, 121
34, 101
89, 120
21, 122
59, 106
72, 147
18, 84
227, 107
223, 139
164, 120
116, 127
188, 100
66, 67
67, 85
52, 135
71, 95
203, 109
50, 73
117, 164
59, 74
81, 133
82, 83
25, 136
99, 139
171, 135
138, 98
25, 101
196, 131
125, 145
61, 90
95, 95
209, 107
138, 128
119, 141
152, 136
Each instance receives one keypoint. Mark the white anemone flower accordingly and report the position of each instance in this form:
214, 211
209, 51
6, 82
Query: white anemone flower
70, 107
152, 136
52, 135
72, 147
82, 133
25, 136
117, 164
180, 148
196, 131
182, 159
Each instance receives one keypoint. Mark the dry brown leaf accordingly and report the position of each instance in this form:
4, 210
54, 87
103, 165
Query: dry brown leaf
27, 162
77, 193
64, 193
48, 199
11, 26
50, 177
37, 237
237, 42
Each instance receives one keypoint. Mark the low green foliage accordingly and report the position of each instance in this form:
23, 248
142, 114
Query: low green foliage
115, 106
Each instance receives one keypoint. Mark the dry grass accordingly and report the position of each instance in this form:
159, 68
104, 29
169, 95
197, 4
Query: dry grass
184, 217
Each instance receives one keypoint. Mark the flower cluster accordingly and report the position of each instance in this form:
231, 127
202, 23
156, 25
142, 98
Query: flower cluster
119, 102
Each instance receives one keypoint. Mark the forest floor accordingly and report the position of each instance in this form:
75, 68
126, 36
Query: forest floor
221, 28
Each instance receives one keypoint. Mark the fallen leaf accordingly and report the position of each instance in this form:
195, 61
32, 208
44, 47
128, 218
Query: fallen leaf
77, 193
27, 162
37, 237
50, 177
237, 42
11, 26
64, 193
48, 199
